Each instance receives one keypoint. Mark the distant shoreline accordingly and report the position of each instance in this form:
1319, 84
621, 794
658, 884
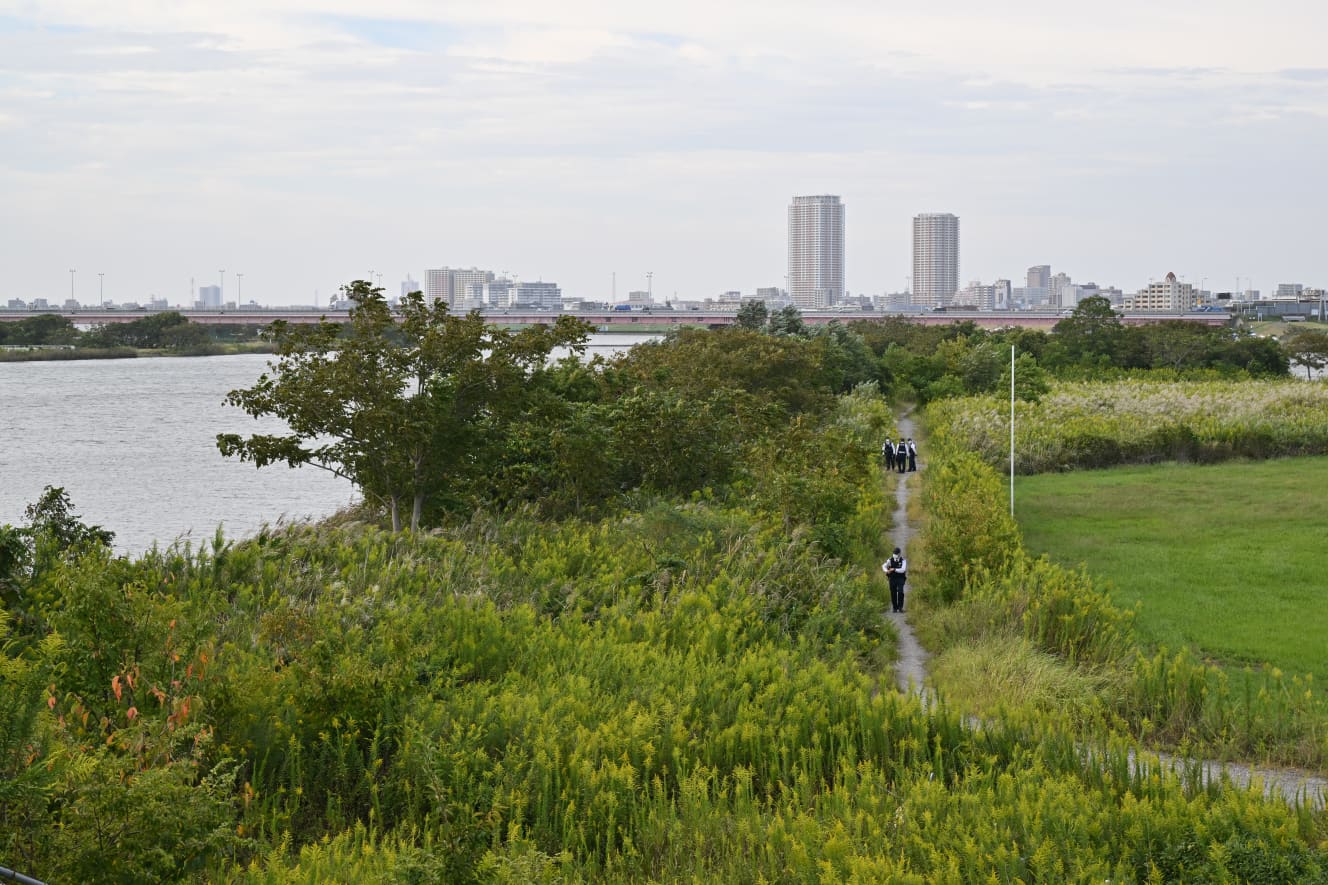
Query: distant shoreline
38, 354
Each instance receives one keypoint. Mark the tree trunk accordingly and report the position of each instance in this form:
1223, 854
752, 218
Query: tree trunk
415, 511
396, 516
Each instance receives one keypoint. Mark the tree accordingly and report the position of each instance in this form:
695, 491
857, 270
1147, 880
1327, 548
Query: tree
1091, 333
787, 321
1030, 381
406, 404
753, 315
1308, 348
54, 533
45, 328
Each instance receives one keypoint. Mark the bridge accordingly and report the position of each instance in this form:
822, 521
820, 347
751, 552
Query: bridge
648, 320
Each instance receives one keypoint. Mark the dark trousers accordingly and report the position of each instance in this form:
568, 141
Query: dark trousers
897, 592
912, 461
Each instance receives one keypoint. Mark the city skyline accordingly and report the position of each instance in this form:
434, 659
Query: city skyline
303, 145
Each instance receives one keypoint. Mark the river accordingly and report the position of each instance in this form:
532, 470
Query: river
133, 442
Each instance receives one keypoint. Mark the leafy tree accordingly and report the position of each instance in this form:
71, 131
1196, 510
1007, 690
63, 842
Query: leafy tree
52, 518
1030, 380
408, 405
787, 321
1307, 348
848, 360
753, 315
53, 533
1092, 333
45, 328
160, 330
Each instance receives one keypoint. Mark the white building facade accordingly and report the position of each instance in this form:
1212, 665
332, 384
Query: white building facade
816, 251
935, 259
1168, 294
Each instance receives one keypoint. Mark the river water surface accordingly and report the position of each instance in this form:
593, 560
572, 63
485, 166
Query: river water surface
133, 442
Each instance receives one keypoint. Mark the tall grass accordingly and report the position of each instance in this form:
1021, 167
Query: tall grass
1095, 424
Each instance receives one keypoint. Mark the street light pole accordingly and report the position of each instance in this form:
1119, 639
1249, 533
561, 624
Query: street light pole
239, 288
222, 287
71, 283
101, 289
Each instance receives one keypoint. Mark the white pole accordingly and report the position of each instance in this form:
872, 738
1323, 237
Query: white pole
1012, 430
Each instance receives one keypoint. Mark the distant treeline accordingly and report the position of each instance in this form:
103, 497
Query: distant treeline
167, 331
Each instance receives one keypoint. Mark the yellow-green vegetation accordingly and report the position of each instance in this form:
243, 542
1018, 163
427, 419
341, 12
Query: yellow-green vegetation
1093, 424
1151, 681
688, 683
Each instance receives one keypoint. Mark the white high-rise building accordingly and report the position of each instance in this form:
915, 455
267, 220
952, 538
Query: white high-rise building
935, 258
816, 251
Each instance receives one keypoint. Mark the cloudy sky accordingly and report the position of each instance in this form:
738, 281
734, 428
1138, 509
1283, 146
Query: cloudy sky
305, 143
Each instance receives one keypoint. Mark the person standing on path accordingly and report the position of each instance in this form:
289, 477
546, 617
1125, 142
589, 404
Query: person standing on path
896, 572
912, 456
901, 457
888, 453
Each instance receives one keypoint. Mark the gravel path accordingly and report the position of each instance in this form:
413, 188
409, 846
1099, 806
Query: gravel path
911, 668
911, 676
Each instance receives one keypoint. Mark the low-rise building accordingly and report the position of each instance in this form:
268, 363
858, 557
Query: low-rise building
1168, 294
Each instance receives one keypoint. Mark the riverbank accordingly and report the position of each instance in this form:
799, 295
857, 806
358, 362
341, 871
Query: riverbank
50, 354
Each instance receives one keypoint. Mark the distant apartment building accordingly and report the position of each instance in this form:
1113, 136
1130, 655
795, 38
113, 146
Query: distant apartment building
1056, 290
935, 258
1291, 291
1168, 294
1039, 277
209, 296
409, 285
771, 295
1071, 295
539, 295
976, 295
816, 251
640, 298
451, 284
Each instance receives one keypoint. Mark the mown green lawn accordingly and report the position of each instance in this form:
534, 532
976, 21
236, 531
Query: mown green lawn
1231, 559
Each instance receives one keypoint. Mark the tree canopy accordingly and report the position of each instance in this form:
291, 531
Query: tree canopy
402, 402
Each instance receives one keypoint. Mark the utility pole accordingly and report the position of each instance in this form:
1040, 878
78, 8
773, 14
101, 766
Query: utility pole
239, 288
222, 287
71, 283
650, 286
101, 289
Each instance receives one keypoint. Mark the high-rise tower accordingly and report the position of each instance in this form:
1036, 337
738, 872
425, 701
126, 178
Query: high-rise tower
935, 258
816, 251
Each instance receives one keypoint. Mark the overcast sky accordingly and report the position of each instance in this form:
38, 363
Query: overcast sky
305, 143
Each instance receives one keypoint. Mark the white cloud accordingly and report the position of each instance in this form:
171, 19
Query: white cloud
462, 132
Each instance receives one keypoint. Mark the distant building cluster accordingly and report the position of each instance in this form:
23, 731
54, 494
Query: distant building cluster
465, 289
815, 281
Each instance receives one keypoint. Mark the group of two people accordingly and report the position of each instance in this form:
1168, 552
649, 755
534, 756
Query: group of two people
901, 457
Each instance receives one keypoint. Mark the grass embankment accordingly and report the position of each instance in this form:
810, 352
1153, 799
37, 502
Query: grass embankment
1227, 559
120, 353
48, 355
1221, 560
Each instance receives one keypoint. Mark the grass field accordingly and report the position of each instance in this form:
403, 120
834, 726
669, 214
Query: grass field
1231, 559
